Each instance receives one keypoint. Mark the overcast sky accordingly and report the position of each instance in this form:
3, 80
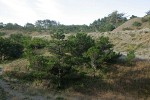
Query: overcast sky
67, 11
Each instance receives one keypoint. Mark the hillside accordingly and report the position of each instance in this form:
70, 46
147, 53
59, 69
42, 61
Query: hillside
138, 40
129, 24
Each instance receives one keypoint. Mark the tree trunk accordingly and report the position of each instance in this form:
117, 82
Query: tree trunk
3, 58
59, 79
94, 68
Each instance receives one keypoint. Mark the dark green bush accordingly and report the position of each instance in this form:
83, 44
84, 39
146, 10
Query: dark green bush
133, 16
130, 57
2, 33
127, 28
21, 39
10, 49
40, 63
37, 43
137, 24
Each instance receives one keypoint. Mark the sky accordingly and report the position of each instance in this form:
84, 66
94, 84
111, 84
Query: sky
68, 12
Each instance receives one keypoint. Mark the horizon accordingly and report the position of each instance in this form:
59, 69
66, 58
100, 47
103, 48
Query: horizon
67, 12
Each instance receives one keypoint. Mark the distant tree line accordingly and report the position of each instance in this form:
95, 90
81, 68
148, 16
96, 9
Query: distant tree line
107, 23
46, 25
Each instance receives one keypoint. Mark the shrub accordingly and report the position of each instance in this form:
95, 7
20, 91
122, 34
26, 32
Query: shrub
2, 33
39, 63
133, 16
127, 28
79, 44
10, 49
102, 53
130, 57
37, 43
21, 39
137, 24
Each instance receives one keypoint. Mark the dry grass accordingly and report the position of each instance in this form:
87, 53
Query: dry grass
126, 40
119, 82
129, 24
20, 65
122, 82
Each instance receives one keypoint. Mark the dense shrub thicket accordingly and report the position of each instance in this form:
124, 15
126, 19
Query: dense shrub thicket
66, 55
9, 49
137, 24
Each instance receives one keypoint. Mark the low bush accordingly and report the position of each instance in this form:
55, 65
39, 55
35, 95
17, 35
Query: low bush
37, 43
10, 49
137, 24
127, 28
130, 57
2, 33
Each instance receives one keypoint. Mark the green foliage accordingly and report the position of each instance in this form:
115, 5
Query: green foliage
40, 63
106, 53
20, 38
45, 24
127, 28
1, 25
10, 49
29, 76
130, 57
80, 43
58, 35
133, 16
109, 27
93, 54
74, 28
2, 33
137, 24
10, 26
103, 43
32, 47
57, 47
101, 53
61, 67
37, 43
60, 98
108, 23
30, 27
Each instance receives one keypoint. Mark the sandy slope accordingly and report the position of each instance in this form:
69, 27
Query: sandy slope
124, 41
